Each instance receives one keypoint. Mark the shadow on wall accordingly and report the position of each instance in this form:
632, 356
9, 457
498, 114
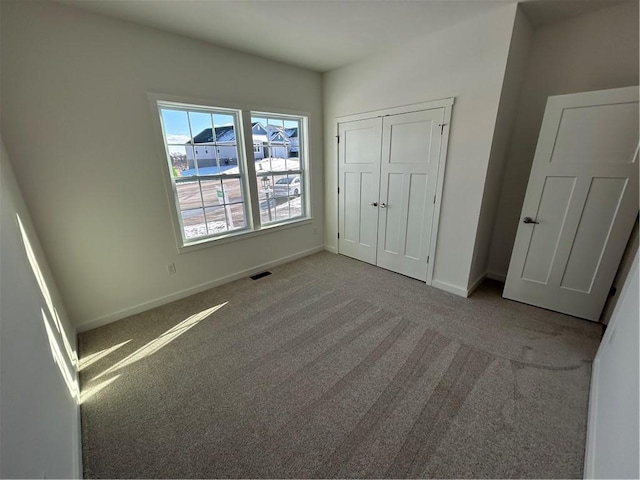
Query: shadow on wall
68, 361
66, 358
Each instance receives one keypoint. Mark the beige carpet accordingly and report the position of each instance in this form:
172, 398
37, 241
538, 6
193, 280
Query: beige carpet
330, 368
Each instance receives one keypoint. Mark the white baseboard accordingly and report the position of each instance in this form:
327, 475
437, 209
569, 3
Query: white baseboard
331, 249
461, 292
500, 277
589, 451
143, 307
447, 287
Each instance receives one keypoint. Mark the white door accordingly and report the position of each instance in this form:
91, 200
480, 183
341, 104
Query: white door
388, 178
581, 203
408, 180
358, 184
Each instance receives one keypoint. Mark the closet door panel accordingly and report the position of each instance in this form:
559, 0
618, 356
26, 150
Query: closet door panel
408, 173
359, 184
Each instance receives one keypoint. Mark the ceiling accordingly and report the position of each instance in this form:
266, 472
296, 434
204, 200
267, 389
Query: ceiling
320, 35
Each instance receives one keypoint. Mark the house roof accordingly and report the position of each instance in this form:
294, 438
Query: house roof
223, 134
291, 132
227, 134
257, 127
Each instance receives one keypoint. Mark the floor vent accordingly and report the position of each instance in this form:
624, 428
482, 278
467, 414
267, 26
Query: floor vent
260, 275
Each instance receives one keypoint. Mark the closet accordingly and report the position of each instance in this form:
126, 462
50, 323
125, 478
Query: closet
391, 169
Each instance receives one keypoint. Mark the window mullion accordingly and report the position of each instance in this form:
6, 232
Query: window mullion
251, 182
204, 210
193, 146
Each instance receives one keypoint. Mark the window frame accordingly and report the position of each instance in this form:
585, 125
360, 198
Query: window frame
303, 163
246, 164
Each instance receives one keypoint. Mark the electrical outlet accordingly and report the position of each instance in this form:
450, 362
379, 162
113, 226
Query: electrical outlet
171, 268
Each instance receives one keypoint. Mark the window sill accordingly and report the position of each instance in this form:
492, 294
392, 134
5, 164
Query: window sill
241, 235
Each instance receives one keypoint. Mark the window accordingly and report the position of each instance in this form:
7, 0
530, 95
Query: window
278, 167
211, 181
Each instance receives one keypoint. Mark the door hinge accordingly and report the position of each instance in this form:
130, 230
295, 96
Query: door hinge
427, 258
338, 137
338, 234
612, 291
442, 125
338, 190
434, 199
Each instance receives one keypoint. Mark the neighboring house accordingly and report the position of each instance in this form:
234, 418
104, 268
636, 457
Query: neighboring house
274, 141
260, 136
278, 145
206, 151
271, 141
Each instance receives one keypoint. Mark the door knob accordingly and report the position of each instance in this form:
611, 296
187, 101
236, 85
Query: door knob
383, 205
529, 220
373, 204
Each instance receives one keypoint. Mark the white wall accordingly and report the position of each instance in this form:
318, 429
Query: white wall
40, 435
76, 114
507, 110
614, 424
595, 51
466, 62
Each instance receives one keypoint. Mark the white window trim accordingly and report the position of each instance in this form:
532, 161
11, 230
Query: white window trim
252, 202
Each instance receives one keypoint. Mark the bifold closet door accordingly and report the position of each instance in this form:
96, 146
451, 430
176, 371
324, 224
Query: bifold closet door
388, 170
358, 188
408, 180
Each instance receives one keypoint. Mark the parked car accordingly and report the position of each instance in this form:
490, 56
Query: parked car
287, 187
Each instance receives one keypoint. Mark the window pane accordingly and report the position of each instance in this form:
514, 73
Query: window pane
237, 216
189, 195
220, 120
261, 120
259, 139
226, 218
211, 192
193, 222
263, 161
292, 130
227, 153
277, 151
216, 220
275, 122
293, 164
176, 127
285, 198
232, 188
201, 127
179, 163
295, 207
206, 158
267, 208
281, 185
188, 165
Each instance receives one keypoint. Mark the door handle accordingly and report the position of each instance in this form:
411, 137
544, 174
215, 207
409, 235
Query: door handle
373, 204
383, 205
529, 220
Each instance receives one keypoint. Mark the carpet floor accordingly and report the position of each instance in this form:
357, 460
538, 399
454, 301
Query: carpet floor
332, 368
